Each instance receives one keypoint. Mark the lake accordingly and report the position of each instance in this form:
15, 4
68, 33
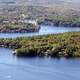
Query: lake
43, 31
13, 68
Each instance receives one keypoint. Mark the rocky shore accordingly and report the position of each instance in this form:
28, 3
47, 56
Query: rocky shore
19, 30
59, 23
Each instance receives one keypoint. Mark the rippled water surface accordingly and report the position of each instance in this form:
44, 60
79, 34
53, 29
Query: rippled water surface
12, 68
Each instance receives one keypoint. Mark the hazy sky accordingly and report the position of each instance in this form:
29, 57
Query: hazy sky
43, 0
40, 0
72, 0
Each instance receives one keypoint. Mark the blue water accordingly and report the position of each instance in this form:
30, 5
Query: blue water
13, 68
43, 31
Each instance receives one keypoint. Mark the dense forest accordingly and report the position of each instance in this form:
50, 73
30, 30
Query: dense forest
54, 45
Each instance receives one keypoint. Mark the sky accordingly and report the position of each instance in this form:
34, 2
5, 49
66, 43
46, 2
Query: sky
39, 1
72, 1
43, 0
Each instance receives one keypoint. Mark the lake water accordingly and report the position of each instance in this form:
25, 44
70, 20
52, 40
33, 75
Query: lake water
43, 31
13, 68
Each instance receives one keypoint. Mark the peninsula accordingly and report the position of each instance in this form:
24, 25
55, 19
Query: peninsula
54, 45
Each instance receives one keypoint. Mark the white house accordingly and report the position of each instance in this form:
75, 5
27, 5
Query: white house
30, 21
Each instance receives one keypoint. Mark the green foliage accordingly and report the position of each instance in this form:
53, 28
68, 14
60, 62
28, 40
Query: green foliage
66, 44
26, 52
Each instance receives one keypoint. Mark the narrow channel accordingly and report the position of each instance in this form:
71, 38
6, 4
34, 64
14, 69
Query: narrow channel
43, 31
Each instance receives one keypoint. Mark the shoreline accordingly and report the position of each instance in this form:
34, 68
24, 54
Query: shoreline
59, 23
19, 29
54, 45
36, 29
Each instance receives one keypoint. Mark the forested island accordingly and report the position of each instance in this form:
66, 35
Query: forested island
53, 45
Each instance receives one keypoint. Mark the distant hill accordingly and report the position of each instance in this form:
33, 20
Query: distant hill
31, 2
36, 2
